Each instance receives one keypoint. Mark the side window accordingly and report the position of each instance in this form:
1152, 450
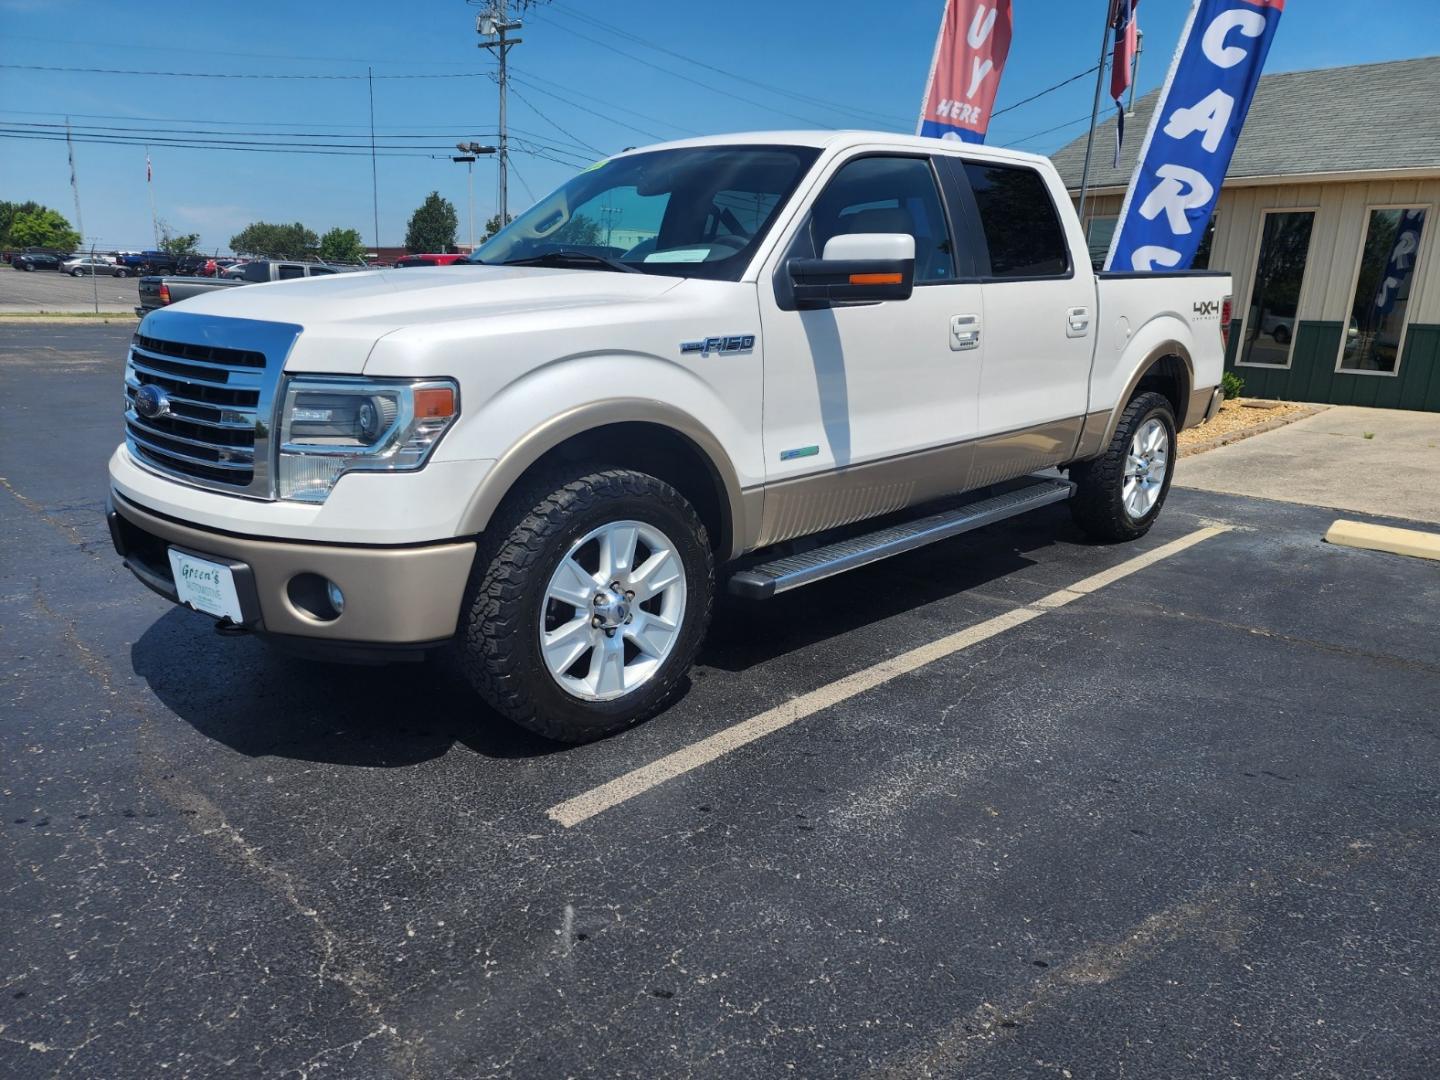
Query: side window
255, 271
320, 271
286, 271
886, 195
1018, 217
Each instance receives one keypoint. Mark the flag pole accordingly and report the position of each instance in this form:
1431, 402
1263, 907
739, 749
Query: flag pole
1095, 110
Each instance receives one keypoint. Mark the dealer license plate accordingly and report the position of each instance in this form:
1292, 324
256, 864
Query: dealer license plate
204, 585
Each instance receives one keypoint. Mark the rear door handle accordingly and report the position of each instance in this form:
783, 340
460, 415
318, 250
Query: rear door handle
1077, 322
964, 332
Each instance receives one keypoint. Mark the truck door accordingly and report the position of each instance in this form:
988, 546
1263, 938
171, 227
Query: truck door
1039, 307
870, 407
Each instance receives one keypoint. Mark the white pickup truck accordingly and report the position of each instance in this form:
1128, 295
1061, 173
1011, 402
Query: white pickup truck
769, 358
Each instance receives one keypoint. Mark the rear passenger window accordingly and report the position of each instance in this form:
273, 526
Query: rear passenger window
320, 271
1021, 226
287, 272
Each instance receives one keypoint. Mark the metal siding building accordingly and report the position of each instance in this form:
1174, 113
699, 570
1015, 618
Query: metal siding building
1328, 161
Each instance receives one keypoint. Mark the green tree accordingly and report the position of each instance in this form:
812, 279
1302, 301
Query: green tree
432, 227
43, 227
174, 243
580, 230
8, 212
275, 241
342, 246
493, 226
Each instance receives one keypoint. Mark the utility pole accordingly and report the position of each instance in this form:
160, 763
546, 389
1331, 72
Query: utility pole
74, 184
374, 172
468, 153
493, 24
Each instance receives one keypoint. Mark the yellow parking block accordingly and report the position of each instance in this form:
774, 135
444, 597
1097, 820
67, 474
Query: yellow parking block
1357, 534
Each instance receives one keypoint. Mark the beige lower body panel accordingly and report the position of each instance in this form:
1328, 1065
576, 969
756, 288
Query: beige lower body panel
812, 504
1203, 405
393, 596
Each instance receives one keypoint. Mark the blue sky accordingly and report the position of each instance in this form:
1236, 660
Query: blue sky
589, 82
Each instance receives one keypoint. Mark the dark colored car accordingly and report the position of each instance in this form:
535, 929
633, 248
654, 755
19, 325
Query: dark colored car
428, 260
36, 261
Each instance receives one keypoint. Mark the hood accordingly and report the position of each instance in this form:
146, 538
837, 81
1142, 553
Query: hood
385, 300
341, 317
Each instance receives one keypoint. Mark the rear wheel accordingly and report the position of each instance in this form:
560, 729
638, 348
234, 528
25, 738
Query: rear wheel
584, 613
1119, 494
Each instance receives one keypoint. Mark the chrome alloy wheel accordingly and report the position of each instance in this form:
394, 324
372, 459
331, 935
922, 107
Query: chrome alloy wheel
613, 610
1146, 467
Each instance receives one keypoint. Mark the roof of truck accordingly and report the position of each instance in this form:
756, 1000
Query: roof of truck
843, 140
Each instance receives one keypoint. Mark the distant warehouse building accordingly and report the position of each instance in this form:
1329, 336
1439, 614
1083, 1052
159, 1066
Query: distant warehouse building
1327, 219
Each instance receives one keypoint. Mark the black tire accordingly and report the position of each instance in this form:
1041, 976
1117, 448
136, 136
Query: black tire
498, 641
77, 272
1098, 505
122, 273
27, 267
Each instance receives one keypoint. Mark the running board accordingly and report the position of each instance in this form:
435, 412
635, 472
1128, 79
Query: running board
790, 572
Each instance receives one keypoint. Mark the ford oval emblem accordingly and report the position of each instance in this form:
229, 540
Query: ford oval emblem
151, 402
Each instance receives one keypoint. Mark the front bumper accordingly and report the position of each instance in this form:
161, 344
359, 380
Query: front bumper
394, 596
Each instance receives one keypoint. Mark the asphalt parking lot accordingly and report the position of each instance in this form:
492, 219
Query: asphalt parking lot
1175, 820
48, 290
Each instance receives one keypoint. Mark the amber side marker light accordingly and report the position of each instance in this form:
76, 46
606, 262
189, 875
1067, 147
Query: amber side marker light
437, 402
875, 279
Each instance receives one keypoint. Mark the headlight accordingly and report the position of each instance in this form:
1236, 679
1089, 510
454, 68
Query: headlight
337, 425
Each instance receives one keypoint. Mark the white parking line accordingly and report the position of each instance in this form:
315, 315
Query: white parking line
597, 800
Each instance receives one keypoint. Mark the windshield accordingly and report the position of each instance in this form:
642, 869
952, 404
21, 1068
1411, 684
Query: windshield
689, 212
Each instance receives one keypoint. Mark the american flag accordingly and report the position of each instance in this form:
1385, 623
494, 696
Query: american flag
1122, 18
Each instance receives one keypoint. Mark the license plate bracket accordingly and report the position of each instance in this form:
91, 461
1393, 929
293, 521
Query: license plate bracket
207, 584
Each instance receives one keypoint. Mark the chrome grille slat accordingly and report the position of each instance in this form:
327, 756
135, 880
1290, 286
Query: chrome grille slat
137, 423
221, 379
236, 466
161, 373
217, 406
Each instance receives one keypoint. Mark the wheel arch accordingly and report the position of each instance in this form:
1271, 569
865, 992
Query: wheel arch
649, 435
1167, 369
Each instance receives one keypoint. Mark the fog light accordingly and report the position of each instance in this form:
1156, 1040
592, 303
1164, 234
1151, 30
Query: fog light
337, 598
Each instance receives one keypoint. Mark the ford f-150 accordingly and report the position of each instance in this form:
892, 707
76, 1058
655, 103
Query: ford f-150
760, 360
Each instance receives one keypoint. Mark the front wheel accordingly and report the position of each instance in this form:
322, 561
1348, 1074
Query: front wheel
76, 273
584, 612
1118, 495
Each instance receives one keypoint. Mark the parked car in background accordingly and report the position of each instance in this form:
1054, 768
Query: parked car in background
428, 260
93, 264
36, 260
148, 262
158, 291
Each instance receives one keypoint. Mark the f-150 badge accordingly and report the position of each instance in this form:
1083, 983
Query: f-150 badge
734, 343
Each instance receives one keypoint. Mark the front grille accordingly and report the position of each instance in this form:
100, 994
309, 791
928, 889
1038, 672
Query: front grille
215, 430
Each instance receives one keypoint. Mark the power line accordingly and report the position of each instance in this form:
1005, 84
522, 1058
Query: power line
1047, 131
678, 75
1047, 90
585, 109
242, 74
123, 141
780, 90
569, 135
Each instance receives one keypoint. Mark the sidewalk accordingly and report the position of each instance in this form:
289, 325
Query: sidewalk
1328, 460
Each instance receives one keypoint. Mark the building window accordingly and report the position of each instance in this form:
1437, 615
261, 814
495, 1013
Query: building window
1098, 234
1382, 291
1275, 294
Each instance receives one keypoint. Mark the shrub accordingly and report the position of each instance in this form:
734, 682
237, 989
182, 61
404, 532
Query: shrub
1231, 384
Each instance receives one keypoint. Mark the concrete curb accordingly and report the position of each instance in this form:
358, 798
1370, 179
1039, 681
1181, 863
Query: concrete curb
103, 319
1387, 538
1258, 429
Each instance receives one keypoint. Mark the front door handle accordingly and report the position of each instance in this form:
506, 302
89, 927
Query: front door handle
964, 332
1077, 322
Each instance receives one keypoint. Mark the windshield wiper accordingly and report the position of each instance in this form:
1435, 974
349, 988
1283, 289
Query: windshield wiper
570, 257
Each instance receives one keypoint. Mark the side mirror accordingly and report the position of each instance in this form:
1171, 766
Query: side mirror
856, 268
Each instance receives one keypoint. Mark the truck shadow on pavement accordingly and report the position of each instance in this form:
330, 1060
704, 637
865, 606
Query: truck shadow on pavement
260, 702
